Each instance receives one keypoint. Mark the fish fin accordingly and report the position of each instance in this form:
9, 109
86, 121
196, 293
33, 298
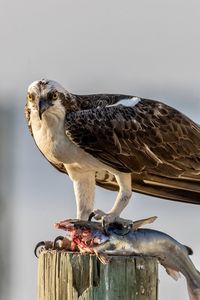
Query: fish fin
174, 274
193, 294
139, 223
189, 250
104, 258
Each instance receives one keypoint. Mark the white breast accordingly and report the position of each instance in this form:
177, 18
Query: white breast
45, 144
49, 137
52, 141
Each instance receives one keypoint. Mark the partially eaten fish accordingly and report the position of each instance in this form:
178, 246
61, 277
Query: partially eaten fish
90, 237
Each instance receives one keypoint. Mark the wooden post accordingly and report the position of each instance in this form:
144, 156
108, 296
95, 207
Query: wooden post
74, 276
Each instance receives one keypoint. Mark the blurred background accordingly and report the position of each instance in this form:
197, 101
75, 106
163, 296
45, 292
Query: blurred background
145, 48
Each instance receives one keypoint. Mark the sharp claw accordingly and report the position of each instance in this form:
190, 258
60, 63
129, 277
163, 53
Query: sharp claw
41, 246
104, 226
91, 216
58, 238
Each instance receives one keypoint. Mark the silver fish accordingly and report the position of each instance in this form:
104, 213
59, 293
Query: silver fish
91, 237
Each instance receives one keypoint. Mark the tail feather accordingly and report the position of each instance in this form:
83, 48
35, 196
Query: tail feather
182, 190
155, 188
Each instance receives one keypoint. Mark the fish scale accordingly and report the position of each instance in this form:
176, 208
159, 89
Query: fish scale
116, 240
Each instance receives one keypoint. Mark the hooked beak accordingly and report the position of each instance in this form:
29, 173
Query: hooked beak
42, 106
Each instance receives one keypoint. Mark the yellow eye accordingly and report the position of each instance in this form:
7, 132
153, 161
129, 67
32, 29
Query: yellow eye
54, 96
30, 97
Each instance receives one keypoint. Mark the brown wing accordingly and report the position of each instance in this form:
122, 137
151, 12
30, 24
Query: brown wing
59, 167
84, 102
156, 143
98, 100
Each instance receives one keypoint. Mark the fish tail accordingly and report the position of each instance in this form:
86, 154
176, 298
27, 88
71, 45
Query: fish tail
194, 294
193, 286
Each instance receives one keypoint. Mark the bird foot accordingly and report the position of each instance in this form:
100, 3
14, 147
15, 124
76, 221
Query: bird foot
42, 246
60, 243
109, 218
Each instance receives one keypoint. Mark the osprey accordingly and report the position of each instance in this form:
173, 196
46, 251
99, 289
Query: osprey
119, 142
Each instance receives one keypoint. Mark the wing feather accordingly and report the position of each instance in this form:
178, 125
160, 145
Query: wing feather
150, 136
156, 143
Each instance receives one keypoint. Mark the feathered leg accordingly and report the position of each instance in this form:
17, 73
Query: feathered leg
123, 197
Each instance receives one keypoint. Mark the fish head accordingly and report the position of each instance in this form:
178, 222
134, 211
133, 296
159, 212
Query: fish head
86, 235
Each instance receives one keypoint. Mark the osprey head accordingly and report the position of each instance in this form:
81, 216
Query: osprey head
45, 96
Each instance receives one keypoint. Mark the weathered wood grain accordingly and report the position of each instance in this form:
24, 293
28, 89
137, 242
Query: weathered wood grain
73, 276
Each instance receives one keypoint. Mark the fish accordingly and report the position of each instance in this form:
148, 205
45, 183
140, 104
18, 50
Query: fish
91, 237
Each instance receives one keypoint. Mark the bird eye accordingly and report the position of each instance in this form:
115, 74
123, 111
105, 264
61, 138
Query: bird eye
54, 96
30, 97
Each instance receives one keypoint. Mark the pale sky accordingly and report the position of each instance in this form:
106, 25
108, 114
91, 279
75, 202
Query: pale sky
144, 48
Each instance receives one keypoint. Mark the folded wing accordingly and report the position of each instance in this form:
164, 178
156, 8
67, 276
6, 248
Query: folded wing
157, 144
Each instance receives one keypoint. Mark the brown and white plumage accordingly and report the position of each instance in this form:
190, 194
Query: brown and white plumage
119, 142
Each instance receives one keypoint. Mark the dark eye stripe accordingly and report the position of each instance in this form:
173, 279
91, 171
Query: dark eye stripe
31, 96
52, 95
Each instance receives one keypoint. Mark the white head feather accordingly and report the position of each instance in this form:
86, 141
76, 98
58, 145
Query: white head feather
48, 85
